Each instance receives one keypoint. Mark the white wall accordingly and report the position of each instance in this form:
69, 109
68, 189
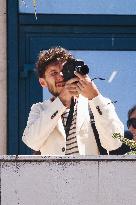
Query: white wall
37, 180
3, 80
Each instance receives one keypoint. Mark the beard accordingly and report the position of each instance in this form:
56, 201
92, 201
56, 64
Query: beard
54, 92
55, 88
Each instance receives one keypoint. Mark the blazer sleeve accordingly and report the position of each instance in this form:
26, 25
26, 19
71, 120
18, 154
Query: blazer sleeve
41, 122
107, 122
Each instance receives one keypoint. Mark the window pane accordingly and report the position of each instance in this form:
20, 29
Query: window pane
79, 6
119, 70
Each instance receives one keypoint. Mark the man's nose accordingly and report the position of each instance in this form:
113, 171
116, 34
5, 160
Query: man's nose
59, 75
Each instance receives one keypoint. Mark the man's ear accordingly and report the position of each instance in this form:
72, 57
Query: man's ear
42, 82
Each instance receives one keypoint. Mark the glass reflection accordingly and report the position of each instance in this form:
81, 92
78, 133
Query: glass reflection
118, 68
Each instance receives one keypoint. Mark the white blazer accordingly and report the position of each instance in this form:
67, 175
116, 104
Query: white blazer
45, 131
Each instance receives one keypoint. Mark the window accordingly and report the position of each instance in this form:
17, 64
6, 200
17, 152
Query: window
118, 69
125, 7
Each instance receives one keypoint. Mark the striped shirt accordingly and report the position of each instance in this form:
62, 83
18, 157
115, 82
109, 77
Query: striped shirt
71, 140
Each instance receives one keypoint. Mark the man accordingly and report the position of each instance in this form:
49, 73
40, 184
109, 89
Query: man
46, 126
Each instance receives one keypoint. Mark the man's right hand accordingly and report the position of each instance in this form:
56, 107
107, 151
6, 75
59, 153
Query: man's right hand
68, 91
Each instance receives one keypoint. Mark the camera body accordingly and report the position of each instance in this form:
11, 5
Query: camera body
74, 65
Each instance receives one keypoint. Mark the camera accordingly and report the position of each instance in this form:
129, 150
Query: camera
74, 65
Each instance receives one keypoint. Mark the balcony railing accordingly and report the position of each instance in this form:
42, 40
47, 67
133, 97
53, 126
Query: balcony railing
84, 180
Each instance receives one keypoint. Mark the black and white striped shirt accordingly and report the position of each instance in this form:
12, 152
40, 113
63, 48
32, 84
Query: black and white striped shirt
71, 141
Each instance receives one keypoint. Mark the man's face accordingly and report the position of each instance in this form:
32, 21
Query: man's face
53, 79
131, 128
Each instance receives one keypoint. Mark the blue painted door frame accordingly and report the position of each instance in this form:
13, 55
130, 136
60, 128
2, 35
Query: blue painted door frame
12, 77
27, 36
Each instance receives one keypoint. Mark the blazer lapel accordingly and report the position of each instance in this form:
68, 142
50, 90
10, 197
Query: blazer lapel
60, 127
82, 111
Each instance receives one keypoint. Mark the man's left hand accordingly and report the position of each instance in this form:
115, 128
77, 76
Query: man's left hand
86, 87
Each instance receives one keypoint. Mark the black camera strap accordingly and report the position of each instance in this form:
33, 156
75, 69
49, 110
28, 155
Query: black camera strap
70, 117
102, 151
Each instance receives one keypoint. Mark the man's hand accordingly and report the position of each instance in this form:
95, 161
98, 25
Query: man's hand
69, 90
86, 87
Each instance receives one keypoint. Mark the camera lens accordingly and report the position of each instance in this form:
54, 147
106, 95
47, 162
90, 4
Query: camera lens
74, 65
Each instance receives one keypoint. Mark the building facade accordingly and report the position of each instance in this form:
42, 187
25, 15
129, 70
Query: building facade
103, 34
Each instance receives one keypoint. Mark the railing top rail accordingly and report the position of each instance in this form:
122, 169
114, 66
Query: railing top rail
39, 158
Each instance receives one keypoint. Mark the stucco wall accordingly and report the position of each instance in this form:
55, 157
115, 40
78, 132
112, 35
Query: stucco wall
37, 180
3, 81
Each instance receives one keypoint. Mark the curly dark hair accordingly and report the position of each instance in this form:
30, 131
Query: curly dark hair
131, 111
53, 55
